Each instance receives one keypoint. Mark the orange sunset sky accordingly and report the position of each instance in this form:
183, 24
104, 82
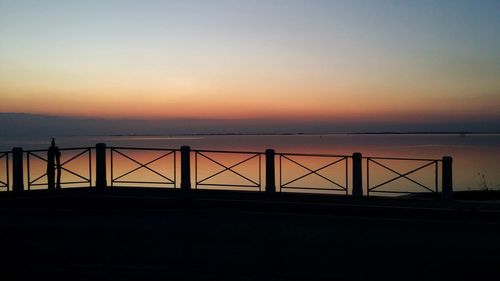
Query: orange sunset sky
360, 60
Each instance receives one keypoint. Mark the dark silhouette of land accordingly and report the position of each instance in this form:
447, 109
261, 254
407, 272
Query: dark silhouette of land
38, 125
165, 234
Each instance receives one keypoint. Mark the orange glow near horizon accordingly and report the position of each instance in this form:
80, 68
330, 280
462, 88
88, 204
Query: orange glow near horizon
295, 106
305, 61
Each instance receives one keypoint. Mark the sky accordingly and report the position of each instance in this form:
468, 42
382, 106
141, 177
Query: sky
410, 61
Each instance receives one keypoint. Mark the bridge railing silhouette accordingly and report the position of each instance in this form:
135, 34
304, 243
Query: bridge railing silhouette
346, 174
165, 176
77, 176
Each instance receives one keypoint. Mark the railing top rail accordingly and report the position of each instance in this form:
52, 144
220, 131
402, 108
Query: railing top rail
226, 151
233, 151
76, 148
36, 150
142, 148
313, 155
60, 149
5, 152
401, 158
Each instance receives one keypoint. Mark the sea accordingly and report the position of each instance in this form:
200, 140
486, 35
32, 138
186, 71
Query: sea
392, 163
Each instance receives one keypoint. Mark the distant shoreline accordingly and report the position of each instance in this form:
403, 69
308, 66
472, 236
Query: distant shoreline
388, 133
303, 134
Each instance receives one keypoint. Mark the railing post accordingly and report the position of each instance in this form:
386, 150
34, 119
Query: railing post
185, 167
57, 156
100, 165
270, 171
447, 178
51, 172
357, 175
17, 169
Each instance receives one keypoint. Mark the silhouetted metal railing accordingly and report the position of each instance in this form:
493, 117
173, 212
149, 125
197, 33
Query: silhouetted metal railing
5, 181
335, 160
211, 168
37, 154
401, 175
211, 156
125, 152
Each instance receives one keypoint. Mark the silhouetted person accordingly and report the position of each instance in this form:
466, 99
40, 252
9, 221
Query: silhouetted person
53, 163
58, 167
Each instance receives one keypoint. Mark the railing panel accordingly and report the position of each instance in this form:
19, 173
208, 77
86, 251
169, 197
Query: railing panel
401, 175
4, 171
228, 169
76, 168
132, 166
314, 173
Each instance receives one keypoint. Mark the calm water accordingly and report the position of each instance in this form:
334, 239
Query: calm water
475, 158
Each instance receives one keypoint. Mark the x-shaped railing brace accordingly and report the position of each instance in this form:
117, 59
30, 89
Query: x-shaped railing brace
226, 168
2, 183
315, 172
400, 175
62, 166
141, 165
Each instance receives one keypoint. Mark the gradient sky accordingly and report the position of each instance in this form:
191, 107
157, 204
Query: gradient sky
282, 59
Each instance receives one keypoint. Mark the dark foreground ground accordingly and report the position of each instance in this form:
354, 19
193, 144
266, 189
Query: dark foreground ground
170, 235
